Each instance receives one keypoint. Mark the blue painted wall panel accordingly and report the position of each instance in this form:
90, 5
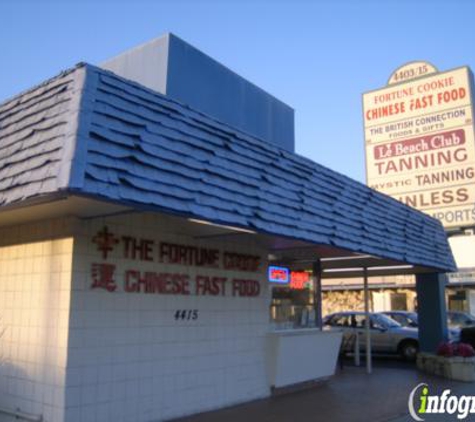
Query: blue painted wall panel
208, 86
173, 67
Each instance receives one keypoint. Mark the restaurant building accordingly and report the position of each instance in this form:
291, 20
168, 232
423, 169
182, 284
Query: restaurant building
136, 231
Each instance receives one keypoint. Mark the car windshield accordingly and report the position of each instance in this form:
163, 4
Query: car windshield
460, 317
469, 317
385, 321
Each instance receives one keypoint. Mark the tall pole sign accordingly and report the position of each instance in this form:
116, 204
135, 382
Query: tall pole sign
420, 145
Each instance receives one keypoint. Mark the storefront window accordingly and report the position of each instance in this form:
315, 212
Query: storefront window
293, 302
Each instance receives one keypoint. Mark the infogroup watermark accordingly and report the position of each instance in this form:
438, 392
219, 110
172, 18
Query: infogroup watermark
421, 403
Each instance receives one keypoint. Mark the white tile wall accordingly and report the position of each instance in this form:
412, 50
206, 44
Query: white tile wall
35, 279
80, 355
129, 360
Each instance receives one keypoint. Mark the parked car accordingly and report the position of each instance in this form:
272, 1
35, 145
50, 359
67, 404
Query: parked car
387, 336
460, 319
411, 319
405, 318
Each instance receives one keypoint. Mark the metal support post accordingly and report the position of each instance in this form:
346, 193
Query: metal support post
367, 323
317, 298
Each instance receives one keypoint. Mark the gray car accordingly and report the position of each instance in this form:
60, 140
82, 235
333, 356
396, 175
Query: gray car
411, 319
406, 319
460, 319
387, 336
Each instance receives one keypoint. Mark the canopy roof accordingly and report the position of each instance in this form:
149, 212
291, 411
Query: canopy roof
90, 133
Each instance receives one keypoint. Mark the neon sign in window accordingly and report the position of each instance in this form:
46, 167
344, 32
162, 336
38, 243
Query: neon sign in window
299, 279
280, 275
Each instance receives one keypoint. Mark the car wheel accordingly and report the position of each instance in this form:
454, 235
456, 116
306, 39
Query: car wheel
408, 350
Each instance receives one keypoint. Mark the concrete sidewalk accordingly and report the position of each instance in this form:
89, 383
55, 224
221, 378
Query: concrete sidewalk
351, 396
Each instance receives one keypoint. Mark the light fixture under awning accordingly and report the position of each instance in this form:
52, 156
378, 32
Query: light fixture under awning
222, 226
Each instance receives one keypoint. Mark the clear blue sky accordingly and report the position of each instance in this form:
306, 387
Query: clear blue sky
317, 56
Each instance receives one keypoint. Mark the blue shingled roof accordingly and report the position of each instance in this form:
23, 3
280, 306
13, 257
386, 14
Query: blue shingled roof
91, 132
37, 133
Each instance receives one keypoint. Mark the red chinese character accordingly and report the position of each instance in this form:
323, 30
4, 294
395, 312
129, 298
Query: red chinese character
105, 241
103, 277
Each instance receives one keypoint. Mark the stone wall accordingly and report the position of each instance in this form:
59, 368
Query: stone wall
353, 300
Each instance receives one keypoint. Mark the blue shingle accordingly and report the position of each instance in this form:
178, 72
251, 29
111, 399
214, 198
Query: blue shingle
139, 147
